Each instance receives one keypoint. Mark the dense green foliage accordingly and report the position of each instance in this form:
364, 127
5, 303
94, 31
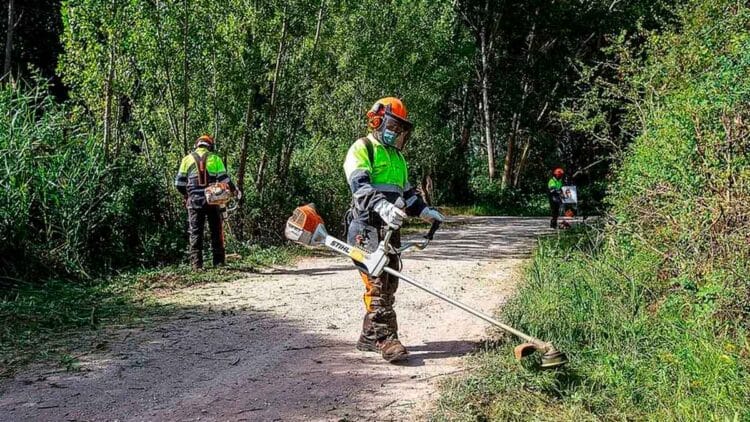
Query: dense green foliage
653, 310
283, 87
65, 207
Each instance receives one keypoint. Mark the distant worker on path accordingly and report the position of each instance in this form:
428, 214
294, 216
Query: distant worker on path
382, 197
554, 187
199, 170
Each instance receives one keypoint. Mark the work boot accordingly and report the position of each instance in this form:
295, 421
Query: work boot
392, 350
364, 344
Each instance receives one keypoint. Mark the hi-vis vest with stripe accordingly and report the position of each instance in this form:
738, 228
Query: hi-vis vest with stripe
189, 177
388, 170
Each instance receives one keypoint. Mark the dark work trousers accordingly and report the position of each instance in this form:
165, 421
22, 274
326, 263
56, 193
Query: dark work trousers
197, 220
554, 205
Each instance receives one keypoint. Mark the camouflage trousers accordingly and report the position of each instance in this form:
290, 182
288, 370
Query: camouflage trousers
380, 318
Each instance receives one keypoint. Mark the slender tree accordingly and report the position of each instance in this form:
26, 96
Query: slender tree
9, 37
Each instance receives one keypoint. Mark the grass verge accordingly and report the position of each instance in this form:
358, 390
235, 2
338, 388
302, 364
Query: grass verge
36, 317
636, 352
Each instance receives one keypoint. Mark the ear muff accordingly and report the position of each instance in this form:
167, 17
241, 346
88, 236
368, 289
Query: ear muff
375, 116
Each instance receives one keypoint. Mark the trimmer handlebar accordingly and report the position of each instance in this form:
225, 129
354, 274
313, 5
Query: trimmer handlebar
417, 245
435, 226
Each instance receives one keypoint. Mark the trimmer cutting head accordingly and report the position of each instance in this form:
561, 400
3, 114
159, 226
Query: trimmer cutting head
551, 358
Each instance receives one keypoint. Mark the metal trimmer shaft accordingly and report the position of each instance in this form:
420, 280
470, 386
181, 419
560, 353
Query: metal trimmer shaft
539, 343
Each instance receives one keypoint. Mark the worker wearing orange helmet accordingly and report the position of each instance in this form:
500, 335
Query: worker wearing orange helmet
554, 187
197, 171
381, 198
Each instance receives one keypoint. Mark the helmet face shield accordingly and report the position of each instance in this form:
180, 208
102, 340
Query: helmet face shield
395, 131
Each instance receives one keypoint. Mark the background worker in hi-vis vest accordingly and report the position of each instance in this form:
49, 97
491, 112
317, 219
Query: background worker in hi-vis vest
382, 196
554, 190
199, 170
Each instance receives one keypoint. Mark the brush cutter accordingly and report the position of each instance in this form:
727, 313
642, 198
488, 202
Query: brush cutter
306, 227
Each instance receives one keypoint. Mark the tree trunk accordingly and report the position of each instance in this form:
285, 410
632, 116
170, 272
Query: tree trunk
109, 91
245, 141
9, 38
260, 180
467, 120
286, 159
185, 81
522, 162
511, 150
317, 29
508, 165
427, 188
486, 102
174, 125
215, 92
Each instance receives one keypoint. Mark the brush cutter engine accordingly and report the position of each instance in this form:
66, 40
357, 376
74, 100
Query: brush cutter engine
218, 194
306, 227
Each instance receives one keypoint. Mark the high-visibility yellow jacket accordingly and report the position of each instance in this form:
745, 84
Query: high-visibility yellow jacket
188, 181
385, 177
554, 187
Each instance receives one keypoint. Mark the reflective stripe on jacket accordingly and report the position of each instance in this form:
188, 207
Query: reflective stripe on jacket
386, 177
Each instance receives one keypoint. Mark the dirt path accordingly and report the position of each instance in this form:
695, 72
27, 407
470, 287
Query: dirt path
280, 345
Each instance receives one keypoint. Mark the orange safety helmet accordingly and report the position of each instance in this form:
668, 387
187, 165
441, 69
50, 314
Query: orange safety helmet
388, 122
558, 172
205, 140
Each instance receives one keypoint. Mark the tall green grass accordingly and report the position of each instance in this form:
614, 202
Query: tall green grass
634, 354
66, 207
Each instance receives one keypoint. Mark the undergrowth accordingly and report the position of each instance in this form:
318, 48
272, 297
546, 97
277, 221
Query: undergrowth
632, 355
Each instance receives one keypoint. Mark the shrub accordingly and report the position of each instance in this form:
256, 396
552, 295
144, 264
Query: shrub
65, 207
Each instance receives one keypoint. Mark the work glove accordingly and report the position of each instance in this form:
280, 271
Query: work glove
431, 215
391, 214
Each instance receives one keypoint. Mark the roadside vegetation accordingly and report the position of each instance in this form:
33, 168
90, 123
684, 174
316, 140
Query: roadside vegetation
643, 100
652, 305
101, 100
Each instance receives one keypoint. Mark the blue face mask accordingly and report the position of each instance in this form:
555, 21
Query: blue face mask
389, 137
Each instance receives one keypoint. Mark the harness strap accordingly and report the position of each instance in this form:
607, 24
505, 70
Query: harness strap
200, 163
370, 150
